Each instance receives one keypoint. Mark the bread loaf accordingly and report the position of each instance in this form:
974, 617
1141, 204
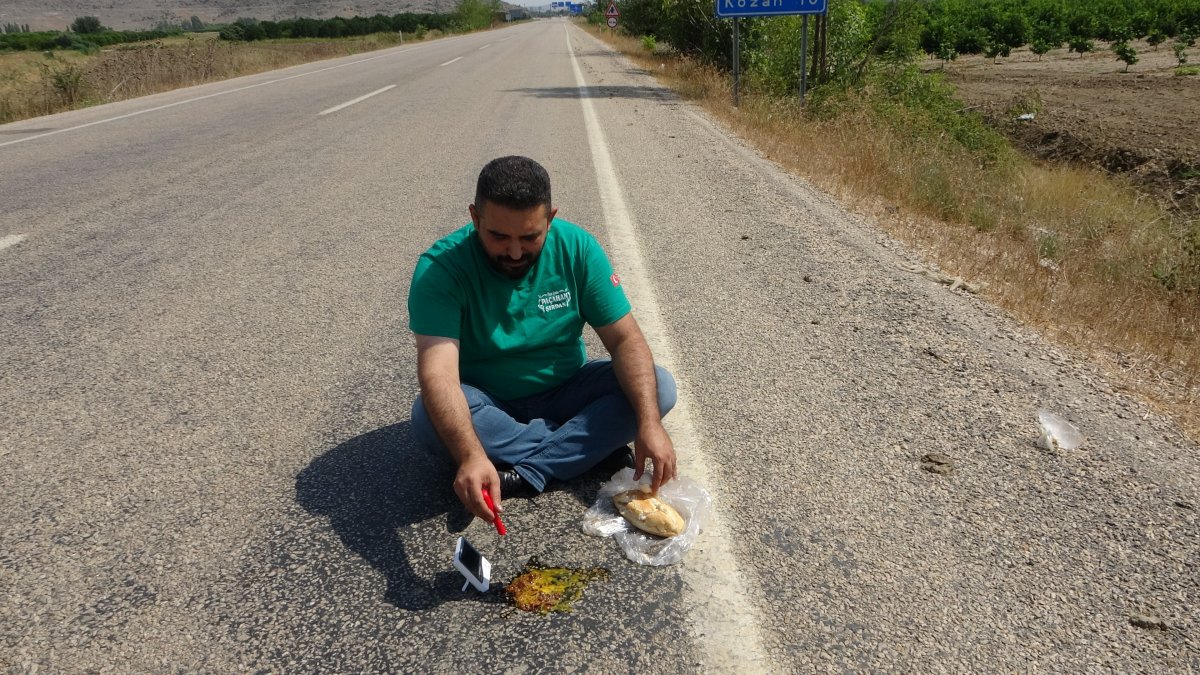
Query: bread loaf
649, 513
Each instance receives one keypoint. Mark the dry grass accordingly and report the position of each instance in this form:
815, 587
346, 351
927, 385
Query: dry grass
1070, 250
33, 84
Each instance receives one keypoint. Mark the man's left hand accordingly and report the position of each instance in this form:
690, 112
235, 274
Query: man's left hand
654, 443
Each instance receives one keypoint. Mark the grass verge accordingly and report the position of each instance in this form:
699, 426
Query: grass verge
1075, 252
40, 83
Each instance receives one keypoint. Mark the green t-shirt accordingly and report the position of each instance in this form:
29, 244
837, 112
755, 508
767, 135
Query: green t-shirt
516, 337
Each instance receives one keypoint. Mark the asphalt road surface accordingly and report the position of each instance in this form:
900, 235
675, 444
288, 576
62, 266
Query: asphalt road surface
206, 377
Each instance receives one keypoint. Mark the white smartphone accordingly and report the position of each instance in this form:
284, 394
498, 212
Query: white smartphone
473, 565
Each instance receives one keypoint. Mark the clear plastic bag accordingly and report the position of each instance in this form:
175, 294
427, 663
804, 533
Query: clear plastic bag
1057, 432
684, 494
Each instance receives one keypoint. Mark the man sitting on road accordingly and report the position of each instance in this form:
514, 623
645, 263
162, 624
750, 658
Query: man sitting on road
498, 309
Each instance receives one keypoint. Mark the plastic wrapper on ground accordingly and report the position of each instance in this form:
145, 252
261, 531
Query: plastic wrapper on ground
684, 494
1057, 433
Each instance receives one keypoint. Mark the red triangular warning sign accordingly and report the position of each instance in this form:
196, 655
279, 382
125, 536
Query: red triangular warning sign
612, 9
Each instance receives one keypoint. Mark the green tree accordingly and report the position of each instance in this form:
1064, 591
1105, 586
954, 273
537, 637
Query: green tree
332, 28
251, 30
380, 23
947, 53
1125, 53
1041, 47
1046, 34
271, 30
87, 24
994, 49
1010, 30
1180, 52
1081, 44
195, 23
1156, 38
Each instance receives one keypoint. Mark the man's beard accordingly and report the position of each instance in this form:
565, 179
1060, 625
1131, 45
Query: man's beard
514, 269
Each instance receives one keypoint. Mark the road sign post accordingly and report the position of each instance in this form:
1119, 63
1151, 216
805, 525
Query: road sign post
728, 9
612, 13
803, 59
737, 53
736, 9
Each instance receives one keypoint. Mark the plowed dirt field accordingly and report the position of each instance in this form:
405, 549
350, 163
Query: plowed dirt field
1144, 123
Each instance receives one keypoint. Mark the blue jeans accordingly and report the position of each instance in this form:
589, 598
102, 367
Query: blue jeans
560, 433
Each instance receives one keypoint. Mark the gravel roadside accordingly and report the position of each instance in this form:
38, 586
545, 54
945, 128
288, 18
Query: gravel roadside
823, 374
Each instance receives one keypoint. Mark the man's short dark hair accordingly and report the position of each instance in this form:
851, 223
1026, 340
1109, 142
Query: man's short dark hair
515, 182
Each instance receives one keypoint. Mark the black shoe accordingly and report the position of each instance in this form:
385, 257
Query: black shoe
621, 458
511, 483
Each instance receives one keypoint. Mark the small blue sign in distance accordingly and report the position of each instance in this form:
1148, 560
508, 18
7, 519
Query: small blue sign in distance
732, 8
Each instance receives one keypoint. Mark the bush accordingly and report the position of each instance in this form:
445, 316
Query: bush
249, 29
233, 32
773, 56
45, 40
67, 81
475, 14
86, 25
649, 43
337, 27
921, 108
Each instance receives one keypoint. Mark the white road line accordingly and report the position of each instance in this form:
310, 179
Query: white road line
214, 95
484, 47
11, 240
457, 58
360, 99
725, 622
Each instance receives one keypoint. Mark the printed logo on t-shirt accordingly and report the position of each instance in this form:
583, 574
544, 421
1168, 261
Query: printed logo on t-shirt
548, 302
616, 280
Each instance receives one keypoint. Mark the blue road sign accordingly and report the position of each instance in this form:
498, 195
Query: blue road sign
733, 8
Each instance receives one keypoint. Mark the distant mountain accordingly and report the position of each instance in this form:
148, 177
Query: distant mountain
139, 14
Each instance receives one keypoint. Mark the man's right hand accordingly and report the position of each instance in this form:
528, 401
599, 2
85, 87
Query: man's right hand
473, 475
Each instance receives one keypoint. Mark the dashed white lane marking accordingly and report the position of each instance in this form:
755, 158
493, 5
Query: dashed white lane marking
212, 95
484, 47
360, 99
725, 622
11, 240
457, 58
